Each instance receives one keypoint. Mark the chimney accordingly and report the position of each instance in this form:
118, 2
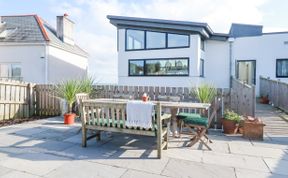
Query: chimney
65, 29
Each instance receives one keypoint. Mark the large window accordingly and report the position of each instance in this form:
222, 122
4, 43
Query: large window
143, 39
135, 39
282, 68
10, 71
159, 67
176, 40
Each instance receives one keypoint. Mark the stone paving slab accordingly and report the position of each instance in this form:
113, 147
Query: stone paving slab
244, 173
34, 163
4, 170
18, 174
236, 161
12, 140
78, 169
140, 174
258, 151
277, 166
181, 168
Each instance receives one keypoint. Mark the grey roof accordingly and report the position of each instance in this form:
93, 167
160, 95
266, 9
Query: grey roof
242, 30
192, 27
26, 29
32, 29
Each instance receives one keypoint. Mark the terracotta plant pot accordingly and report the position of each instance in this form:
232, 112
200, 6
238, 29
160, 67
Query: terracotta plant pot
264, 100
69, 118
229, 127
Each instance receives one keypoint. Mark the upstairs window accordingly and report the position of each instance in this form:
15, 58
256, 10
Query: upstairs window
135, 39
136, 67
155, 40
146, 40
176, 40
10, 71
282, 68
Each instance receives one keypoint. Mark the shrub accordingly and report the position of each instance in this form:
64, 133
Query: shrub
231, 115
205, 93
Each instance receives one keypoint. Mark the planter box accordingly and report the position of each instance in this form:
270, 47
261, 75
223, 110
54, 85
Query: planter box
253, 130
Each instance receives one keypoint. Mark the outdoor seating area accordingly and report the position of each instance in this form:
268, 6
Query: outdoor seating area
50, 149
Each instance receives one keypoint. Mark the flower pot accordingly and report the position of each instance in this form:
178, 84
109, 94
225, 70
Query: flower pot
229, 127
264, 100
69, 118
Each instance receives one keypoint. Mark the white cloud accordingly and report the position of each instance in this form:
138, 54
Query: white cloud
95, 34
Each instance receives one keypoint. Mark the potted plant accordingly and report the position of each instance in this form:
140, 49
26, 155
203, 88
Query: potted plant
205, 93
264, 99
67, 90
230, 122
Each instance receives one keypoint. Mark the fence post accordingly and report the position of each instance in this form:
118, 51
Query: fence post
30, 99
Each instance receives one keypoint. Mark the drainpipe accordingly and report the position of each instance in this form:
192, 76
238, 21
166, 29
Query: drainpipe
46, 64
230, 40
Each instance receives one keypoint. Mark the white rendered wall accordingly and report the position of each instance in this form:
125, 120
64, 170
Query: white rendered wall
216, 70
265, 50
193, 53
30, 57
64, 65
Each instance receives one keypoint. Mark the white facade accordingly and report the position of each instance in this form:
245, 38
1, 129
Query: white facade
43, 64
193, 53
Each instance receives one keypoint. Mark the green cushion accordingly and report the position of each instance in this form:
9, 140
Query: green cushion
192, 118
184, 115
104, 123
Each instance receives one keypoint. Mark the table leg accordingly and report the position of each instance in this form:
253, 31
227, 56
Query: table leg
174, 122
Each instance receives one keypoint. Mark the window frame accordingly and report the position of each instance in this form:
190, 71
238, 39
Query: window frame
10, 70
148, 59
202, 68
145, 40
280, 76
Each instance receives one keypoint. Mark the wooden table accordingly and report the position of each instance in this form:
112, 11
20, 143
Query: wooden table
173, 106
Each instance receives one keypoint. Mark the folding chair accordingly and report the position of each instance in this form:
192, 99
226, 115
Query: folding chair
199, 124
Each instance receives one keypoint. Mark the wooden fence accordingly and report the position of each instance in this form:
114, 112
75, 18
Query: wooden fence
276, 91
136, 92
16, 99
243, 99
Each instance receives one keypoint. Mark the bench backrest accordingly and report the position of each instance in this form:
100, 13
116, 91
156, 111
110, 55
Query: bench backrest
107, 114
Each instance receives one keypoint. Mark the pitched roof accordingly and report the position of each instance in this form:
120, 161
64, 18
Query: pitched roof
32, 29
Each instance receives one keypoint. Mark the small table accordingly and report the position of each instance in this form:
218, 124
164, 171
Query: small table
174, 106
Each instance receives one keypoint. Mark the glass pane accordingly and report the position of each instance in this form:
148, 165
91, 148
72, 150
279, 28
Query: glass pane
16, 70
4, 70
167, 67
135, 39
136, 67
282, 66
201, 68
175, 40
156, 40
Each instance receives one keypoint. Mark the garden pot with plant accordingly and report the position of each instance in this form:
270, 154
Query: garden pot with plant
230, 122
67, 90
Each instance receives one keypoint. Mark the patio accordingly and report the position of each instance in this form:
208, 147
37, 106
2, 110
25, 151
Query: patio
47, 148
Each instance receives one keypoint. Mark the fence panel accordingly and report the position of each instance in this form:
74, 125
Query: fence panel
242, 98
15, 99
276, 91
47, 104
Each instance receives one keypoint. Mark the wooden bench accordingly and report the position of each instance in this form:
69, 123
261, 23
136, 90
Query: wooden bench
110, 115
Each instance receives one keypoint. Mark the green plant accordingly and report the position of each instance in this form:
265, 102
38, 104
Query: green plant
67, 90
86, 85
232, 116
205, 93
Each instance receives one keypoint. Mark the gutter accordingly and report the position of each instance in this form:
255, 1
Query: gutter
231, 41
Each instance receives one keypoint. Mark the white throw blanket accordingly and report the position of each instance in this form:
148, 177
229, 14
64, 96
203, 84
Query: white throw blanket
139, 114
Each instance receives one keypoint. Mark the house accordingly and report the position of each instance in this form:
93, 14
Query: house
33, 51
179, 53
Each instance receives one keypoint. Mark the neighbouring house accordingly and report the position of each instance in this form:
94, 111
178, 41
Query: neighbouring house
33, 51
179, 53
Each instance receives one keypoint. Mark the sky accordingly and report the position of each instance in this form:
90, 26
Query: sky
97, 36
